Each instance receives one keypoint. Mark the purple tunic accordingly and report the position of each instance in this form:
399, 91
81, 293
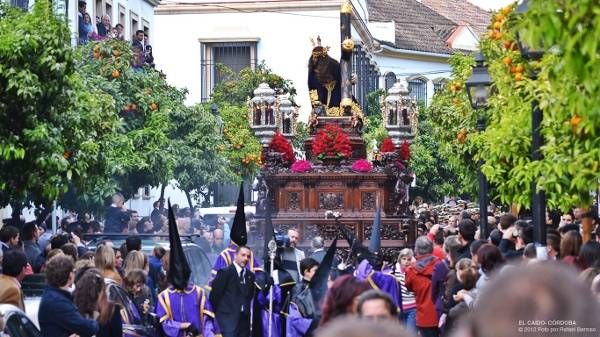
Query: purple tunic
379, 280
226, 257
263, 300
296, 325
175, 307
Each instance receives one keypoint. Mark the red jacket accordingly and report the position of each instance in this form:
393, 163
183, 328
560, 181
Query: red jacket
418, 280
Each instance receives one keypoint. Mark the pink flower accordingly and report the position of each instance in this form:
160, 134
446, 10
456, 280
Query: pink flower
301, 166
362, 165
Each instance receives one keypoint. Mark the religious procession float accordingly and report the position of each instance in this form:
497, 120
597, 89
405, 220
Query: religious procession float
335, 185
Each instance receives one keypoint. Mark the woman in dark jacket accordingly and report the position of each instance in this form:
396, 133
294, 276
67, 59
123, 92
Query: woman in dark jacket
91, 299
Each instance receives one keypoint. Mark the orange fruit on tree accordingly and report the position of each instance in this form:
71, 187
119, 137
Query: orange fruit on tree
497, 25
507, 60
115, 73
513, 69
575, 120
500, 17
507, 44
116, 52
153, 106
518, 77
520, 69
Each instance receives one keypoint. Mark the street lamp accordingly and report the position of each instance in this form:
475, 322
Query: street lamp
478, 85
478, 90
214, 109
538, 207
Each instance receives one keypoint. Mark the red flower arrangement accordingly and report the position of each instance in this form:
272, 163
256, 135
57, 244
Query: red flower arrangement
301, 166
332, 142
281, 145
387, 145
362, 165
405, 151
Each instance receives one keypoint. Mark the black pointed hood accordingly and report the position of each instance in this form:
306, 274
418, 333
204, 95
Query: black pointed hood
318, 284
179, 269
269, 234
238, 233
375, 241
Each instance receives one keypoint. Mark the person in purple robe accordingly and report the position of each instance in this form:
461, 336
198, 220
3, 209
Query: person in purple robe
283, 284
381, 280
184, 313
183, 309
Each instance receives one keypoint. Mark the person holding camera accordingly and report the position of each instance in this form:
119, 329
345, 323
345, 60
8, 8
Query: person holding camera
291, 256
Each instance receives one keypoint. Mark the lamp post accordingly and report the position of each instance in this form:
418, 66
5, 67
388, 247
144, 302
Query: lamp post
214, 109
538, 207
478, 90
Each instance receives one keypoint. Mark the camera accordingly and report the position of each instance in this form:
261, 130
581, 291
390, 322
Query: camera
282, 240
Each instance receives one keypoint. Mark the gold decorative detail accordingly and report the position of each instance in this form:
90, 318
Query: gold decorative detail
356, 110
320, 52
346, 102
348, 45
334, 111
346, 7
329, 87
314, 96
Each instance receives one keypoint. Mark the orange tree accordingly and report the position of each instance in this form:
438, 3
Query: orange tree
566, 89
57, 131
450, 122
240, 147
144, 103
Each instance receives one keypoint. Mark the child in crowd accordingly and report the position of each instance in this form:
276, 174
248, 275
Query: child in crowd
409, 304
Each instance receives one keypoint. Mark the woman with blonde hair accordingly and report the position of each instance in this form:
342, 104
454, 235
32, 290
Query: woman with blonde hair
105, 261
135, 260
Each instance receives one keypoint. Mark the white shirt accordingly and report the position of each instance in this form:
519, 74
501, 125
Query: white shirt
238, 269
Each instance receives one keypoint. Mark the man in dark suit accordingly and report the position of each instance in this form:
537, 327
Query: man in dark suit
232, 292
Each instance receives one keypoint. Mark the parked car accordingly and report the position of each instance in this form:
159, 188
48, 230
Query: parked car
16, 322
200, 265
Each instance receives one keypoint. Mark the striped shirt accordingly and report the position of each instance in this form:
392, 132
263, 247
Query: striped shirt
408, 297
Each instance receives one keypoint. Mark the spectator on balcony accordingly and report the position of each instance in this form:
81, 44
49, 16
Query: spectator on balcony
138, 40
149, 59
119, 32
82, 9
86, 30
104, 27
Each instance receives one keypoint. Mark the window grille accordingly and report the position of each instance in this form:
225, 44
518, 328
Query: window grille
418, 89
390, 79
233, 55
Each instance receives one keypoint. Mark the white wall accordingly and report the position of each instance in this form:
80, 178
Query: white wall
284, 44
406, 67
465, 39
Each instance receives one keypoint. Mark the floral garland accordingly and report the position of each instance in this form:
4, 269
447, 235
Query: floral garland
332, 142
281, 145
387, 145
301, 166
405, 151
362, 165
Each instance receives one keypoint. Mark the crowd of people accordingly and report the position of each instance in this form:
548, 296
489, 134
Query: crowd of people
101, 28
451, 282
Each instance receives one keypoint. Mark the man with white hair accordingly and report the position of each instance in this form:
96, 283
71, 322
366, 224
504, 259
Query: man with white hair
418, 280
104, 27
